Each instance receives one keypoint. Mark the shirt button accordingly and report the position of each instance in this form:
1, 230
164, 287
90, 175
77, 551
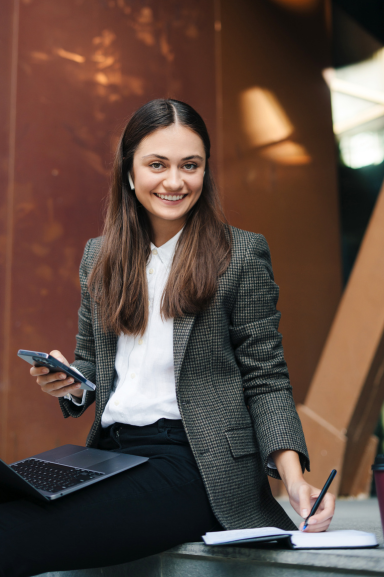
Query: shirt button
151, 271
154, 251
117, 403
141, 341
133, 375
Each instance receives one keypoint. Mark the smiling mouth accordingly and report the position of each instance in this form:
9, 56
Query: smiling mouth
172, 197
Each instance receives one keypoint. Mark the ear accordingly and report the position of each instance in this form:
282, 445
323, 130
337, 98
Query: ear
131, 181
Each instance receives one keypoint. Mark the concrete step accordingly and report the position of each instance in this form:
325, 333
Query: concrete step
198, 560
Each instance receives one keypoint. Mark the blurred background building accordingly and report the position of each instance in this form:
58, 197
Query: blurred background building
292, 92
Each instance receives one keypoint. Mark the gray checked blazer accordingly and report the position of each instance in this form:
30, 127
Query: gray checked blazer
232, 384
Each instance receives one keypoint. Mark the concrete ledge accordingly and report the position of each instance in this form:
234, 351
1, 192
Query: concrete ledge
198, 560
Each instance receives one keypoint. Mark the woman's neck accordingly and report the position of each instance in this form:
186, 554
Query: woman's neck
164, 230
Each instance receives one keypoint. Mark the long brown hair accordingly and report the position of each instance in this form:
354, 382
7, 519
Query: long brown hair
118, 280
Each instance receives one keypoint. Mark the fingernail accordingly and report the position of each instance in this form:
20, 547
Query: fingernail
45, 371
63, 376
70, 381
78, 386
304, 512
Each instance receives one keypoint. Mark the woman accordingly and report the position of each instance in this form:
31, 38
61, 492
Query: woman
178, 329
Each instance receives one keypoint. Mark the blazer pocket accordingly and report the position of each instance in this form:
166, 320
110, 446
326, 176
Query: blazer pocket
242, 441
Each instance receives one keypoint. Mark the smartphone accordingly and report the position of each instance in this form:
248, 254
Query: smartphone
55, 366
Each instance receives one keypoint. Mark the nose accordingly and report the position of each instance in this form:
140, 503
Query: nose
173, 180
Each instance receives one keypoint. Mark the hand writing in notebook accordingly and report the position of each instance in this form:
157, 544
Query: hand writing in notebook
302, 495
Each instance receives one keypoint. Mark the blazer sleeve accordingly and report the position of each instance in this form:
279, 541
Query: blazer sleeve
259, 354
85, 356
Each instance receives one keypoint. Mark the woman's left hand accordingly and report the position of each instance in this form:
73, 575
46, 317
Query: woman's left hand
302, 497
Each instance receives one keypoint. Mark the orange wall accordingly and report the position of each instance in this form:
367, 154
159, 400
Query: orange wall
279, 171
71, 74
81, 69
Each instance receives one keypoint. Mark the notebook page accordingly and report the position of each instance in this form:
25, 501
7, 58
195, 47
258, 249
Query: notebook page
332, 539
218, 537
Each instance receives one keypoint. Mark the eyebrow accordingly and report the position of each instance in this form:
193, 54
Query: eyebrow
165, 158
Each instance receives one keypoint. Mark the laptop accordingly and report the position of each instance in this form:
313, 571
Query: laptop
59, 472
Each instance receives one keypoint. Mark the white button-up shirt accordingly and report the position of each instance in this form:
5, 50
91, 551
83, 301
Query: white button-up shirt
144, 389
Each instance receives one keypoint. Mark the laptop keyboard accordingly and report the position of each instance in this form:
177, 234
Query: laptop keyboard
52, 477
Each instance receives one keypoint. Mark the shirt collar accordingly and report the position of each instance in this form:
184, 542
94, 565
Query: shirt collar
166, 251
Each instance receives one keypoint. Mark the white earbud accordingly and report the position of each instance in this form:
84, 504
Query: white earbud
131, 181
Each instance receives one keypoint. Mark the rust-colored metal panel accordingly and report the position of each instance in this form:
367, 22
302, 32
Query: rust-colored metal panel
279, 164
326, 446
8, 24
347, 390
83, 68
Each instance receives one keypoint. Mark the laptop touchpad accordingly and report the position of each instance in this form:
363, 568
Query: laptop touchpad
87, 458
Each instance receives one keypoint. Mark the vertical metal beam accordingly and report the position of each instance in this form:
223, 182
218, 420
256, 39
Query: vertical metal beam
347, 391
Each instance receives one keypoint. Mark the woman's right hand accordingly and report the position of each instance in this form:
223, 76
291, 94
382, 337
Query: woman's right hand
56, 384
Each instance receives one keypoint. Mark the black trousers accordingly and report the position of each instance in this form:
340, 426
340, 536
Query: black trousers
140, 512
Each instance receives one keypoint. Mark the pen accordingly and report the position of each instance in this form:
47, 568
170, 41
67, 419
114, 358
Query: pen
320, 497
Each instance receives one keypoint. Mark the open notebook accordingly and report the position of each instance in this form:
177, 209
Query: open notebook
293, 539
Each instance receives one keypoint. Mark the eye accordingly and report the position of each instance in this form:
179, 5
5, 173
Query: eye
190, 166
156, 165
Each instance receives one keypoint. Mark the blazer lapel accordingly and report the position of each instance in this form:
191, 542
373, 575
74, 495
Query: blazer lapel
182, 327
106, 344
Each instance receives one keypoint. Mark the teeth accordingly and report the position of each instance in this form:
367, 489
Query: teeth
170, 197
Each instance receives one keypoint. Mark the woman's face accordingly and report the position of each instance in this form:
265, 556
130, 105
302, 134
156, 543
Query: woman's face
168, 172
